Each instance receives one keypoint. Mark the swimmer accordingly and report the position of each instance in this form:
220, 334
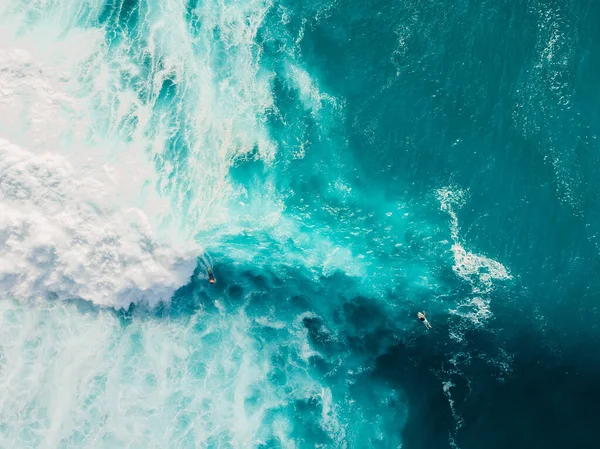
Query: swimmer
422, 317
211, 276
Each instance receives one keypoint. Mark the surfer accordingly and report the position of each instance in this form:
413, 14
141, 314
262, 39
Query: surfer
422, 317
211, 276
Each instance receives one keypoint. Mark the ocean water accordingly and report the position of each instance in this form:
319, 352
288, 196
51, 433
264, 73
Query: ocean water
341, 165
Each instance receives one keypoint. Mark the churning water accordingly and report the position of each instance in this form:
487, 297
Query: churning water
341, 165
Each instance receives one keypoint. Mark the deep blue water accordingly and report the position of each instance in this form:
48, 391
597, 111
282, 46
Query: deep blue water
344, 165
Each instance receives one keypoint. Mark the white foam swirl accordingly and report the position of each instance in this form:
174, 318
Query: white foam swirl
479, 271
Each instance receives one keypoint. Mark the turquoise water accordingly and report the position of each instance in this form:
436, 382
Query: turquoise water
341, 166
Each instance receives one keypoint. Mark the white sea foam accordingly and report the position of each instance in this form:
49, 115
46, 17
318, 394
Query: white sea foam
446, 386
311, 96
479, 271
67, 106
80, 218
59, 237
77, 379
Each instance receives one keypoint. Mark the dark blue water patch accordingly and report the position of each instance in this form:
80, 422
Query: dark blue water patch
235, 291
365, 324
410, 367
121, 16
548, 391
359, 318
548, 401
406, 123
340, 44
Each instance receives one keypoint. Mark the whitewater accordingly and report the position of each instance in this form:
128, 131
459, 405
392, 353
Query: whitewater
143, 142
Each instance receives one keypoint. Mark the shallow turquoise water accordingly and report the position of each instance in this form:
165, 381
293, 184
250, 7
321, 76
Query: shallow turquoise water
341, 166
